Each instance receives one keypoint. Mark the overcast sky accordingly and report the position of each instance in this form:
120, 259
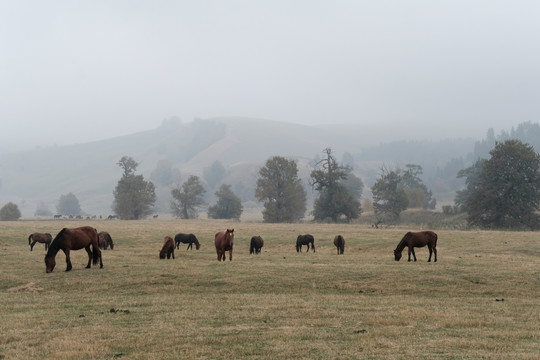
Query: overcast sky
75, 71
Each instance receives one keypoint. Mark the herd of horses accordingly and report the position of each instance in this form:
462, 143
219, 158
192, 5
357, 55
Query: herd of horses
87, 237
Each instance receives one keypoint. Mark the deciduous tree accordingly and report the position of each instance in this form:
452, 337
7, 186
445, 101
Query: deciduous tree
228, 206
10, 212
335, 202
279, 187
187, 198
507, 192
134, 197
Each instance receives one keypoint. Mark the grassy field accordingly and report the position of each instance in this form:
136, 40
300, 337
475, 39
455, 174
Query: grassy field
481, 300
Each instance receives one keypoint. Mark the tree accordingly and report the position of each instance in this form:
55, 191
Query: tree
10, 212
228, 206
42, 210
279, 187
188, 198
334, 201
68, 205
471, 175
417, 193
389, 197
507, 192
134, 197
214, 174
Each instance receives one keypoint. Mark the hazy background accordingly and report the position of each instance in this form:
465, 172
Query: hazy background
76, 71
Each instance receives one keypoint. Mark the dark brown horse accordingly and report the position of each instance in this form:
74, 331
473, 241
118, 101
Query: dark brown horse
339, 242
74, 239
224, 241
417, 239
256, 244
305, 240
44, 238
105, 240
167, 249
187, 239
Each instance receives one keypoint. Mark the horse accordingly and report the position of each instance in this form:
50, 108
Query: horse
305, 240
417, 239
186, 239
256, 244
224, 242
105, 240
74, 239
167, 249
339, 242
44, 238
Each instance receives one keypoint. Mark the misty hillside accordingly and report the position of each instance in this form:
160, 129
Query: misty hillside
90, 170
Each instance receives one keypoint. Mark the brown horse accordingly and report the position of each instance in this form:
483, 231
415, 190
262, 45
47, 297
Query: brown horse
224, 242
305, 240
105, 240
339, 242
44, 238
256, 244
167, 249
74, 239
417, 239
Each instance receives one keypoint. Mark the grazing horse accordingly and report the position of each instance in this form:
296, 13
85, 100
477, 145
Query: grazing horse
186, 239
105, 240
74, 239
167, 249
305, 240
256, 244
41, 238
224, 242
339, 242
417, 239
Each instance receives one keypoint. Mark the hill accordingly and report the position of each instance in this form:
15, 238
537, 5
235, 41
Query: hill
242, 145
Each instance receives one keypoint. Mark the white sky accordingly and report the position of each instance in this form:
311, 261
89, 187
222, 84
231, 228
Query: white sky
75, 71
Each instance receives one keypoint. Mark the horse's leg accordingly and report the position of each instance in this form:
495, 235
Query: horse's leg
89, 252
230, 255
68, 260
430, 251
435, 253
413, 253
409, 253
190, 246
32, 245
313, 246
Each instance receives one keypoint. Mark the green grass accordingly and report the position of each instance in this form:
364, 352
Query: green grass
279, 304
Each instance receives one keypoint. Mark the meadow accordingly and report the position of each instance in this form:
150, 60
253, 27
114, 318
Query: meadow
481, 300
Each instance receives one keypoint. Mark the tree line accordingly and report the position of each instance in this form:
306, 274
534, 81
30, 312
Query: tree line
501, 192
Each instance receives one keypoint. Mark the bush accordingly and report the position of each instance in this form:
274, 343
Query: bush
10, 212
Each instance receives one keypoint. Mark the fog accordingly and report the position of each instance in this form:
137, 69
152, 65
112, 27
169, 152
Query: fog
77, 71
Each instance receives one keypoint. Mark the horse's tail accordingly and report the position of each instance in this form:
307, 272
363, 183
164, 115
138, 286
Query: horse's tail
252, 246
30, 239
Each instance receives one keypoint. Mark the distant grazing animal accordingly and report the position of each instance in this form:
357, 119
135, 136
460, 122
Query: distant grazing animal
256, 244
224, 242
105, 240
417, 239
74, 239
41, 238
305, 240
167, 249
339, 242
186, 239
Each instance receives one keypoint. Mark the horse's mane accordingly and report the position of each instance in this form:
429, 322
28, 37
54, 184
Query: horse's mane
401, 244
54, 245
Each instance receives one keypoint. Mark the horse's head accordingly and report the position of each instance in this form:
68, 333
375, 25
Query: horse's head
162, 254
50, 263
230, 234
397, 255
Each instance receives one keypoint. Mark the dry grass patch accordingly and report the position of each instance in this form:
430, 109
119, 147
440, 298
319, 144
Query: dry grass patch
279, 304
